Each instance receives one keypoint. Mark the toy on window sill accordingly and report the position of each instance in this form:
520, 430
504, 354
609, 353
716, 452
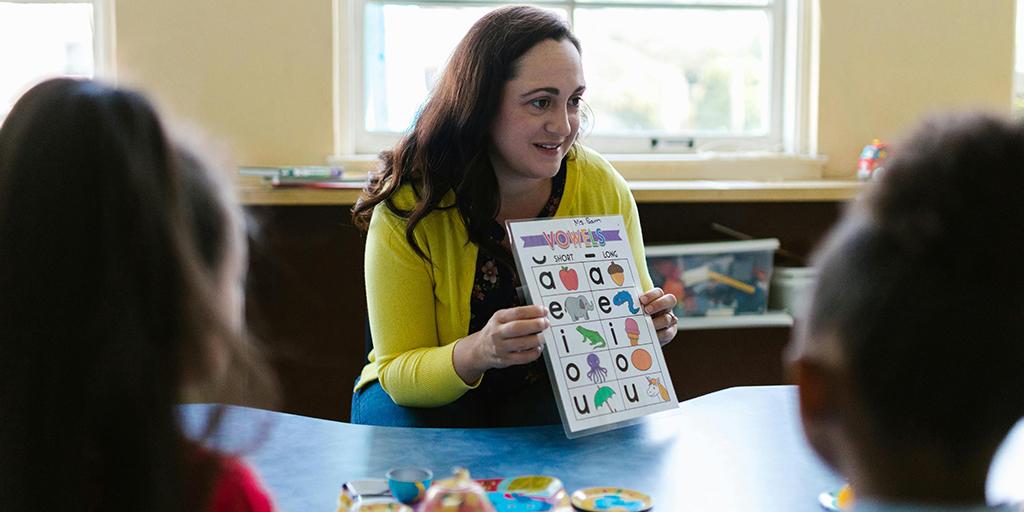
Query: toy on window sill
871, 159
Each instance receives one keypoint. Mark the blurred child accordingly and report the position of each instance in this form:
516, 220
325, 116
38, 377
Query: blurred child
121, 261
911, 363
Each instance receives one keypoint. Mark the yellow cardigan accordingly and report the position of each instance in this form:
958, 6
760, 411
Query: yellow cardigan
418, 310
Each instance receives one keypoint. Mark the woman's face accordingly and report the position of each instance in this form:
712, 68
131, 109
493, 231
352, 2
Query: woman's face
539, 114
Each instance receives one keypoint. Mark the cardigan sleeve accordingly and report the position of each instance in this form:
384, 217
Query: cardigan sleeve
413, 365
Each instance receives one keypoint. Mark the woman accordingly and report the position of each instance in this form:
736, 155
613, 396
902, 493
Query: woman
496, 141
121, 260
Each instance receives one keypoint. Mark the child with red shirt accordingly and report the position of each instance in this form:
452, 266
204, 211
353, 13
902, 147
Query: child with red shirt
121, 261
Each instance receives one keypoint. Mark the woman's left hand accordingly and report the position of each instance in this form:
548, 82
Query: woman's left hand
659, 305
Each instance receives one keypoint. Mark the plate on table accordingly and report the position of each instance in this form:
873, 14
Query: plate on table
528, 493
383, 507
611, 499
840, 500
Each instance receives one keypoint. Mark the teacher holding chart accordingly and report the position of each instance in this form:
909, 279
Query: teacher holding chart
453, 344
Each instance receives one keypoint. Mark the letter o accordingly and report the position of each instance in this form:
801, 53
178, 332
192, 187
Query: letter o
571, 369
621, 363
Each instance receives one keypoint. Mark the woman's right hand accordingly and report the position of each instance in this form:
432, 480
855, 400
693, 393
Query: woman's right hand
512, 336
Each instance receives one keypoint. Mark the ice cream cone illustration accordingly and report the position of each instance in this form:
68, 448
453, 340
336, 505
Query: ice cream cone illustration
615, 270
632, 331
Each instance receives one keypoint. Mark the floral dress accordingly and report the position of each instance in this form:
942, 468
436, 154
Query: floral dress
494, 288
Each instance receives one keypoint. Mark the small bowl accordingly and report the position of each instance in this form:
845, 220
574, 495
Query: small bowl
409, 484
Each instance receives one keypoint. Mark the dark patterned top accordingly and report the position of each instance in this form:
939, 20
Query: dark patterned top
494, 288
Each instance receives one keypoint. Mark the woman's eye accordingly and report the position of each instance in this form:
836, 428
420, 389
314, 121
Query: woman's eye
575, 101
541, 102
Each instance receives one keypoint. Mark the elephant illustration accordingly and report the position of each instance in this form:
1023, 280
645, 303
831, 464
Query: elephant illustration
578, 306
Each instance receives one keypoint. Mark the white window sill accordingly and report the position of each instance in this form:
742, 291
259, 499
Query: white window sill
657, 178
673, 167
769, 319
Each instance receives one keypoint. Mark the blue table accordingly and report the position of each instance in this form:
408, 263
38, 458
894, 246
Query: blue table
735, 450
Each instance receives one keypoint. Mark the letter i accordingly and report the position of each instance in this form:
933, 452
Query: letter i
564, 341
611, 327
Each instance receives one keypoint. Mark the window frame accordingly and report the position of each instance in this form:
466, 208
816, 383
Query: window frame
789, 56
103, 34
1017, 97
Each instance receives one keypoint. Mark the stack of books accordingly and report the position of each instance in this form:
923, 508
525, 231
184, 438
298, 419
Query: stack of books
307, 176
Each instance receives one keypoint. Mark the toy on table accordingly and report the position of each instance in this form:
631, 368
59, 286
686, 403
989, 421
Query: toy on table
382, 507
837, 501
367, 494
527, 493
457, 494
408, 485
871, 159
611, 499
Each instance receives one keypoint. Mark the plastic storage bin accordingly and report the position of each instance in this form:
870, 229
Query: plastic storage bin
715, 279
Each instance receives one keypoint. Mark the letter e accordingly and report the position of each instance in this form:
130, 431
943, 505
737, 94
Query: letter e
555, 309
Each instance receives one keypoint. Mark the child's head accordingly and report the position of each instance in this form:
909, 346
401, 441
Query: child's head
119, 266
911, 362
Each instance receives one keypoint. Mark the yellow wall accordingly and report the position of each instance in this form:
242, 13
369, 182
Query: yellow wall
256, 72
886, 63
259, 72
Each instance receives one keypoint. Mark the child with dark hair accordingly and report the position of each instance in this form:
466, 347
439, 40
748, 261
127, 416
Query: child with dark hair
121, 260
911, 363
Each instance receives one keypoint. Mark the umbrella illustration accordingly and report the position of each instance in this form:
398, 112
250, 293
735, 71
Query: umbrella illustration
602, 396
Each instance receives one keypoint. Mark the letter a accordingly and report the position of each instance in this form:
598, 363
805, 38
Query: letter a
547, 281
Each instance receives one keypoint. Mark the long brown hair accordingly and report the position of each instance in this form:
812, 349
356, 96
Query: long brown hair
109, 243
447, 148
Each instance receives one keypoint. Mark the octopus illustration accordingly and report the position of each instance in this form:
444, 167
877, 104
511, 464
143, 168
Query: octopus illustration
596, 374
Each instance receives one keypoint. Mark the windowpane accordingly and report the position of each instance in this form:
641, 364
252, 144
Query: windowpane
711, 77
654, 68
710, 3
39, 41
405, 49
1018, 74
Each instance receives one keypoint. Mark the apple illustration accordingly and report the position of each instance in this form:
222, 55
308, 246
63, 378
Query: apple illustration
569, 278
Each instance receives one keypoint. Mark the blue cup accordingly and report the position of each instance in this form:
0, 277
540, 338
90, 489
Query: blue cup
408, 485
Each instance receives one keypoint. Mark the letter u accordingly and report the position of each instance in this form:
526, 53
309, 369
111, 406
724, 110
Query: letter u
586, 404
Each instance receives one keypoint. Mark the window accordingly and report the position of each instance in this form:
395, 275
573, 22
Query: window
662, 75
1018, 68
42, 39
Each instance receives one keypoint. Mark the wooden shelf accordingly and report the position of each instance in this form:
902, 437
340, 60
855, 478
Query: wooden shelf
769, 319
252, 190
734, 191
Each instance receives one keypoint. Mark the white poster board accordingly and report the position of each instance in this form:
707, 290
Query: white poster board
602, 352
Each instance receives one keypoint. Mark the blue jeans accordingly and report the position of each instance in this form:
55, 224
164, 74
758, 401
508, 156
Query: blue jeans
479, 408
